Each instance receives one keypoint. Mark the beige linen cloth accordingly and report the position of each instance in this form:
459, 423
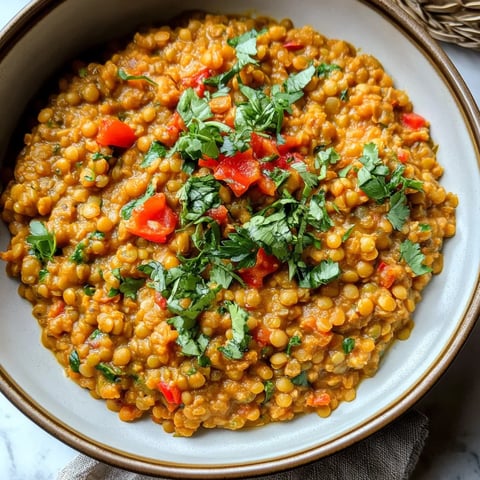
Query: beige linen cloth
389, 454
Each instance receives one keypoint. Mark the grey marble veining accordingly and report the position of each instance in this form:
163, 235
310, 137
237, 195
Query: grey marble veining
452, 451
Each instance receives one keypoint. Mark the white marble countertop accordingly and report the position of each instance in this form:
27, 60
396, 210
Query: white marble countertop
452, 451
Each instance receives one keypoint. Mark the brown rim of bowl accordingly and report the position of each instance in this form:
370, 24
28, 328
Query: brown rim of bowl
21, 24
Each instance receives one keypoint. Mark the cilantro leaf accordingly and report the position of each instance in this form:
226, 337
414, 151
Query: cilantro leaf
156, 150
191, 107
239, 248
399, 211
298, 81
110, 372
301, 379
317, 215
125, 76
323, 159
321, 274
325, 69
348, 344
79, 256
238, 344
294, 341
245, 48
269, 389
414, 257
74, 361
129, 286
197, 196
42, 242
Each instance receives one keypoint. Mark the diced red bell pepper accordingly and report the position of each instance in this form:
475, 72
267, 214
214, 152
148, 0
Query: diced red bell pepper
265, 264
266, 185
403, 155
318, 400
413, 120
239, 171
172, 394
174, 126
387, 274
115, 133
262, 336
195, 81
263, 146
160, 300
56, 309
219, 214
154, 220
293, 46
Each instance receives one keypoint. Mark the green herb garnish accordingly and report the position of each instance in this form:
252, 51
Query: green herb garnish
414, 257
42, 242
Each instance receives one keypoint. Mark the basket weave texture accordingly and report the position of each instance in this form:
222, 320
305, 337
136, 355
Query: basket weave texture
453, 21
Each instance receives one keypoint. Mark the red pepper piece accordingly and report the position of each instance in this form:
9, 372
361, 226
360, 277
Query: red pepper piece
265, 264
172, 394
115, 133
387, 274
262, 336
154, 220
174, 126
293, 46
413, 120
318, 400
239, 171
160, 300
219, 214
195, 81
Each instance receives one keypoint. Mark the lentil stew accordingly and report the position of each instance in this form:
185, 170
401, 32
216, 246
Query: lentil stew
227, 223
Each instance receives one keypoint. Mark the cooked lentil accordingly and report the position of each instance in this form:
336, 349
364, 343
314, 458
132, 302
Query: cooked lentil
300, 347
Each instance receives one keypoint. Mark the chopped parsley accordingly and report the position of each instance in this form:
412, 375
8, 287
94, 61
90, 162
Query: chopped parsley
301, 380
269, 389
89, 290
42, 242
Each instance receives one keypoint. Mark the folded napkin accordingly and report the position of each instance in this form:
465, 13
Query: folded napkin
390, 453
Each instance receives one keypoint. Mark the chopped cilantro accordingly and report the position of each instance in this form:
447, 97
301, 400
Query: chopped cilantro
294, 341
323, 273
156, 150
348, 344
129, 286
238, 344
110, 372
197, 196
269, 389
301, 380
124, 76
42, 242
414, 257
79, 256
89, 290
74, 361
325, 69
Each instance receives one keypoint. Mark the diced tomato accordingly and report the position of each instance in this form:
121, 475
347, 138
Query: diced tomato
266, 185
172, 394
239, 171
154, 220
195, 81
115, 133
413, 120
208, 162
262, 336
56, 309
263, 146
290, 143
174, 126
265, 264
402, 155
387, 274
160, 300
318, 400
219, 214
293, 46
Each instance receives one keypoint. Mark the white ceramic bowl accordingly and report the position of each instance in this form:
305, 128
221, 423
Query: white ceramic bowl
47, 34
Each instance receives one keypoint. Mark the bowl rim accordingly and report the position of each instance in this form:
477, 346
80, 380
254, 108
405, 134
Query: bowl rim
33, 13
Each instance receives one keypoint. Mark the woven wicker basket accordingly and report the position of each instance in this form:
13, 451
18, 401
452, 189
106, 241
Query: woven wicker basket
454, 21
